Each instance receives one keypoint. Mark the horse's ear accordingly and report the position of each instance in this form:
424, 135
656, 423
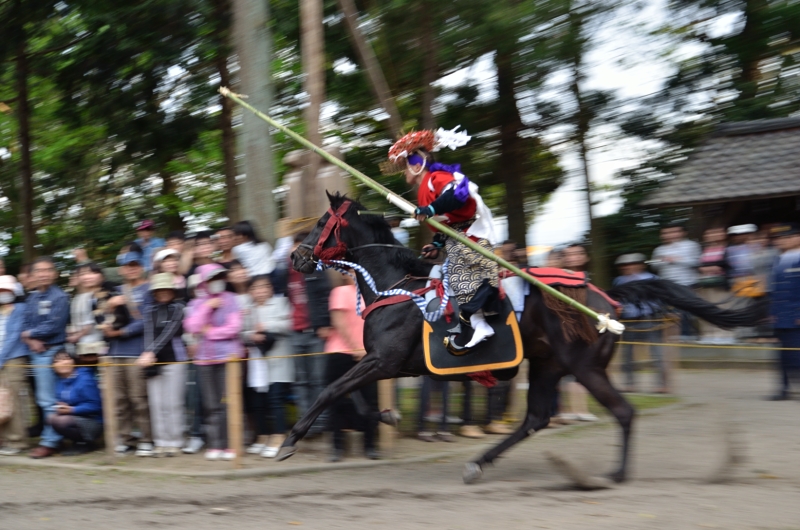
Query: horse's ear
330, 197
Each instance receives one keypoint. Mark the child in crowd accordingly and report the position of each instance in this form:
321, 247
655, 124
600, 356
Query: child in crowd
270, 370
215, 317
78, 411
166, 384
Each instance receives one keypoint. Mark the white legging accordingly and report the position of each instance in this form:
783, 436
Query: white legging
166, 393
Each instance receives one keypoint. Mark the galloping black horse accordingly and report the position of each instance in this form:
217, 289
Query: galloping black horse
393, 336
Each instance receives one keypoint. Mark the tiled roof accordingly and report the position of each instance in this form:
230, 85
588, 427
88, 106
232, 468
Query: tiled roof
744, 160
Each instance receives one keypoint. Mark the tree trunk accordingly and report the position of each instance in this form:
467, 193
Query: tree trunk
254, 50
168, 188
25, 165
597, 264
750, 55
430, 65
222, 10
370, 64
512, 148
312, 50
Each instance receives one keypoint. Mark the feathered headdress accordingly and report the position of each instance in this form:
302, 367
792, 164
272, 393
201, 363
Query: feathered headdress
430, 141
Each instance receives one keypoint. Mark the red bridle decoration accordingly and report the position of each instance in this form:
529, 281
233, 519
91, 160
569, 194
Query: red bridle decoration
335, 222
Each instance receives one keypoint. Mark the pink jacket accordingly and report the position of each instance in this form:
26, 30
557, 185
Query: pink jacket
221, 341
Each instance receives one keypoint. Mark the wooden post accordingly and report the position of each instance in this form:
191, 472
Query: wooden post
233, 400
386, 433
108, 396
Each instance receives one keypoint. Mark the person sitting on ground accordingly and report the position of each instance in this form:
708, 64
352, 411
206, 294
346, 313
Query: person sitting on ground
270, 370
166, 383
346, 339
13, 358
78, 412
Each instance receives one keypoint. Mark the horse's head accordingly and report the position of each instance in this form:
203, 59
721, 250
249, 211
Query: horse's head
338, 231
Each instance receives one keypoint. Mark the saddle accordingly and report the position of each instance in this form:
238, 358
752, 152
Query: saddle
502, 351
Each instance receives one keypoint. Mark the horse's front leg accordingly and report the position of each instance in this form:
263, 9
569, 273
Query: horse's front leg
365, 372
541, 394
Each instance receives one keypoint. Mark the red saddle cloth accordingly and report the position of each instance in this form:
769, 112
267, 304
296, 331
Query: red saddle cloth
564, 278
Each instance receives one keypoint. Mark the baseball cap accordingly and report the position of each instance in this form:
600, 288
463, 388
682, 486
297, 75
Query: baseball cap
784, 229
627, 259
742, 229
147, 224
129, 257
163, 254
9, 283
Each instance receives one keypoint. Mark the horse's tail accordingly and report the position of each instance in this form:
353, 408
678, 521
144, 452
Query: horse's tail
667, 293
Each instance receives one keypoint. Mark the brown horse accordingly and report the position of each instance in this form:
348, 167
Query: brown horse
393, 337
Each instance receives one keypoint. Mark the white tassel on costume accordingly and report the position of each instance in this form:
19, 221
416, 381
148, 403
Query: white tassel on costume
452, 139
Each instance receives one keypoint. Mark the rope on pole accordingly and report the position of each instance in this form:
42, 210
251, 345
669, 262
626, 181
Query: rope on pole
604, 321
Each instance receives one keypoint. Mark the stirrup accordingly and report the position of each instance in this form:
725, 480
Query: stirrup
455, 349
465, 332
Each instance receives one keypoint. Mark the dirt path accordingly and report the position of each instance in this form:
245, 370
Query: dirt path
674, 453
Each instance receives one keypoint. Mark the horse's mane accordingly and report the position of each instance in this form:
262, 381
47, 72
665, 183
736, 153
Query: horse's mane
381, 233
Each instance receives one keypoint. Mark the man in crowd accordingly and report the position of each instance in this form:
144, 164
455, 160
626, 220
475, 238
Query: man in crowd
126, 339
311, 324
785, 308
175, 240
225, 243
44, 332
197, 251
677, 260
632, 268
149, 244
13, 358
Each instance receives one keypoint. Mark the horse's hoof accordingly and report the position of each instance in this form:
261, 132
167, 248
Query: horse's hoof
285, 452
391, 417
472, 473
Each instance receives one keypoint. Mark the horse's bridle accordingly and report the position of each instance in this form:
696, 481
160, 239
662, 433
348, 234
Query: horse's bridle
333, 226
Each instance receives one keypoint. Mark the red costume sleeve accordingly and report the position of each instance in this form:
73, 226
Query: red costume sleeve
431, 187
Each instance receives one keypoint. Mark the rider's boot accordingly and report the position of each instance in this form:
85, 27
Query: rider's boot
456, 342
482, 329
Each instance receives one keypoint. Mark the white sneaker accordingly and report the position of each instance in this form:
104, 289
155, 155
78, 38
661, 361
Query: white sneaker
255, 449
9, 451
588, 416
270, 452
158, 452
214, 454
193, 445
228, 454
482, 329
144, 449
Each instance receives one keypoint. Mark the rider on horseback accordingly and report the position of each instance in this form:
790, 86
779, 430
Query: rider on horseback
447, 195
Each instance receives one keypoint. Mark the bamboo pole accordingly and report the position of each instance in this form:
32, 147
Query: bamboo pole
386, 433
604, 321
233, 401
108, 396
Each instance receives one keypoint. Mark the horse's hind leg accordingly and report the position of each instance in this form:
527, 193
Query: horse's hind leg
363, 373
597, 383
541, 394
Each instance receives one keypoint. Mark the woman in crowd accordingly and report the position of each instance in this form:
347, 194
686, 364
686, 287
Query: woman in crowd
166, 383
238, 283
78, 411
216, 319
347, 339
251, 251
87, 310
168, 261
13, 358
270, 370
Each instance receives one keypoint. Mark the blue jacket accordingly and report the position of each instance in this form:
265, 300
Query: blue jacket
13, 347
80, 392
785, 296
131, 342
148, 250
46, 315
631, 311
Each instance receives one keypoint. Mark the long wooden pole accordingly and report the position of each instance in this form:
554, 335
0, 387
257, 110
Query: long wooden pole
604, 321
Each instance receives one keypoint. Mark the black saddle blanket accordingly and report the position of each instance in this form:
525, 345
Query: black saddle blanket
501, 351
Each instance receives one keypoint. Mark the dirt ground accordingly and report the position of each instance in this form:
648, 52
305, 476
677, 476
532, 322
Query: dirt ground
675, 452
